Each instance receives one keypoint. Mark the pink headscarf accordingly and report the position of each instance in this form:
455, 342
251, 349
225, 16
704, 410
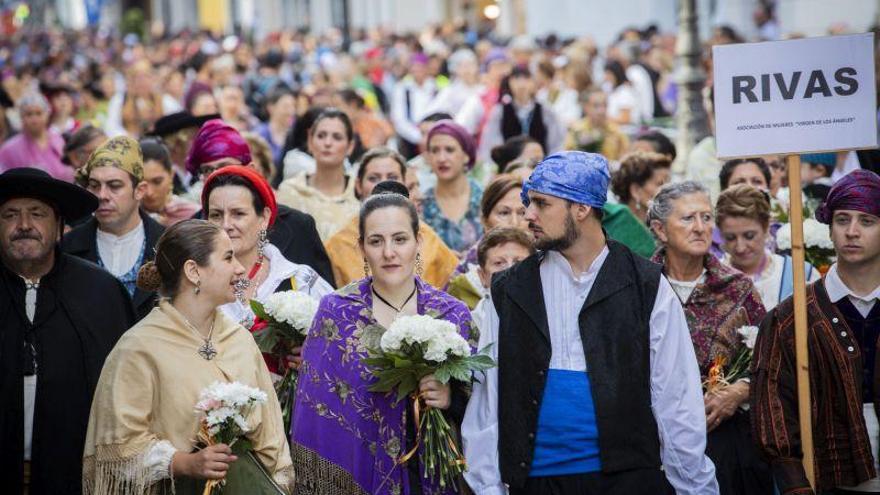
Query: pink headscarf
215, 140
460, 134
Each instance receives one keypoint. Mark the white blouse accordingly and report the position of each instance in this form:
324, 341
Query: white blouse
769, 281
280, 269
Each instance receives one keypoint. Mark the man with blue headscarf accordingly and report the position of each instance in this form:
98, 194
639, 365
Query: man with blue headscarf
597, 389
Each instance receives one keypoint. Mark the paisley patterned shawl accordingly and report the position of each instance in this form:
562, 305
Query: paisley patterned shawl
717, 308
346, 439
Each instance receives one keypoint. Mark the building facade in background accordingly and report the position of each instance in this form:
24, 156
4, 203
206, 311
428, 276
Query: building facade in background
598, 18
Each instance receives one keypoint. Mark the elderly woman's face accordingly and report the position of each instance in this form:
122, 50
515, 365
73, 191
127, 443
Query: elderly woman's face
688, 230
232, 208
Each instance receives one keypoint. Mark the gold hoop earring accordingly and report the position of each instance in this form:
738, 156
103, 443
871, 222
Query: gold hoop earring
419, 264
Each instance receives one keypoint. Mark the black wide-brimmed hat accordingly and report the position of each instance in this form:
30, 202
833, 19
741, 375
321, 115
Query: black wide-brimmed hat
71, 200
171, 123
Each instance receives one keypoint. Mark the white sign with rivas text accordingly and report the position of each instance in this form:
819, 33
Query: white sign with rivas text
797, 96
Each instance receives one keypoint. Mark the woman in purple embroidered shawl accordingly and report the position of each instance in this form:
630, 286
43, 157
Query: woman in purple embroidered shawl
346, 439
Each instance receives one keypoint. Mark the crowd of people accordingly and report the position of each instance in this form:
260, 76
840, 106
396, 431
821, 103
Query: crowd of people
526, 191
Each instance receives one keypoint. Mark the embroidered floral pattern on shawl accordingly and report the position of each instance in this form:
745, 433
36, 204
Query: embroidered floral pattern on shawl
724, 302
346, 439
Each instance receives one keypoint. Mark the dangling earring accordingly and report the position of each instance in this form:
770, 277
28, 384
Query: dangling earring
419, 264
240, 286
198, 288
261, 244
366, 268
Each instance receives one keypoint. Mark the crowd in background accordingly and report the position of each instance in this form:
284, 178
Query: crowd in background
308, 124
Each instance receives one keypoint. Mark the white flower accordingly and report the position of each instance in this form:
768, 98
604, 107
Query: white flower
438, 338
783, 237
224, 401
749, 334
816, 235
297, 309
440, 347
783, 197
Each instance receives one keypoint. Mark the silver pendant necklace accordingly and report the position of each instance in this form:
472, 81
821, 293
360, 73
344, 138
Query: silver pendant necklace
206, 350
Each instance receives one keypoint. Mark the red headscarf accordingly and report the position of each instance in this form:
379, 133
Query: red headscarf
215, 140
250, 175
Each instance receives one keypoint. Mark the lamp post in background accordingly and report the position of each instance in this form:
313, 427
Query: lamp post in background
691, 118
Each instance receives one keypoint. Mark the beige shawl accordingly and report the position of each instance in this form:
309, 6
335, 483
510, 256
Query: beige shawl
147, 393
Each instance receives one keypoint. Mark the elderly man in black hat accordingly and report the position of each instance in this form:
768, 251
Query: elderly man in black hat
60, 318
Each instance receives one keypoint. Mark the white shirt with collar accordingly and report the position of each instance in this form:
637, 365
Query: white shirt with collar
120, 253
30, 382
837, 289
676, 390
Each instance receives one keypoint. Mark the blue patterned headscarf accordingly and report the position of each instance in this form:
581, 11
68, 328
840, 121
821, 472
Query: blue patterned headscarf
573, 175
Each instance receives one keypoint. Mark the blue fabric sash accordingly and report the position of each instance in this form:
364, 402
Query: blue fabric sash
567, 441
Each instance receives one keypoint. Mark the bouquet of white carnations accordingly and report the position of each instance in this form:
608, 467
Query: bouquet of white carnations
281, 324
818, 248
223, 408
411, 349
721, 377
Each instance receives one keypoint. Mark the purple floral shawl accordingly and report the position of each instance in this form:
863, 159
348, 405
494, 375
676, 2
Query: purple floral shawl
717, 308
345, 439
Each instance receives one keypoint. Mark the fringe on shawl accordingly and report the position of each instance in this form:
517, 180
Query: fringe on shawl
318, 476
110, 472
285, 478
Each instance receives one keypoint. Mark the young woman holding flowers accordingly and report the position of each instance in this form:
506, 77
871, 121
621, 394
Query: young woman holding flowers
717, 301
345, 438
142, 424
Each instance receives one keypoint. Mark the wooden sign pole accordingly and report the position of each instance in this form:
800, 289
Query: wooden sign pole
796, 219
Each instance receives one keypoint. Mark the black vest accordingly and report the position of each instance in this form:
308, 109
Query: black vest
615, 332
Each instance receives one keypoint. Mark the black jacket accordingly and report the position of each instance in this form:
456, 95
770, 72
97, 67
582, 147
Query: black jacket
295, 235
81, 312
82, 242
615, 333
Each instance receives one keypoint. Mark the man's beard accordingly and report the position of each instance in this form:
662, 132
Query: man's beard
563, 242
